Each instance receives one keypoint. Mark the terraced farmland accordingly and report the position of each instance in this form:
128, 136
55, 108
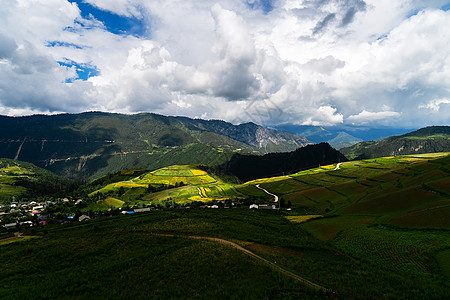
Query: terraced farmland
179, 184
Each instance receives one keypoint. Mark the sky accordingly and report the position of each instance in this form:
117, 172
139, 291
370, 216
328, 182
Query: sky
368, 63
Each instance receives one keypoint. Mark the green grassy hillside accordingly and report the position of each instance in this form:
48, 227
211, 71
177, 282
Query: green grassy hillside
369, 229
426, 140
114, 257
90, 145
21, 179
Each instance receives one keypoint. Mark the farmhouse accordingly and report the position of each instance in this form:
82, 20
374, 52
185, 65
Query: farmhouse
139, 210
10, 226
84, 218
267, 206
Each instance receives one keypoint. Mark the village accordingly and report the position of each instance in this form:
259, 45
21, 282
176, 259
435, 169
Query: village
19, 215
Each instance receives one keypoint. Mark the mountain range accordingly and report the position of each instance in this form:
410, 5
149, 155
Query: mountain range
426, 140
341, 136
95, 143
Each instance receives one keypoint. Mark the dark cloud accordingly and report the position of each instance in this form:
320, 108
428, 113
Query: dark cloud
355, 7
345, 11
348, 17
7, 47
236, 82
320, 26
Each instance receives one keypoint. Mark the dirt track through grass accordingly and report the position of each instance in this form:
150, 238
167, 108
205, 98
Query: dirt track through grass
252, 254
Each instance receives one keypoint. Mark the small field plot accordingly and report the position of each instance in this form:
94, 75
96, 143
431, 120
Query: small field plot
388, 177
252, 190
190, 174
321, 199
443, 259
353, 190
406, 251
301, 219
7, 190
110, 201
442, 186
435, 217
327, 228
313, 180
432, 175
396, 201
359, 172
285, 186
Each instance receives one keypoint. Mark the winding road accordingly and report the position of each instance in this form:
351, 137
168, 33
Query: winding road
275, 197
337, 166
200, 192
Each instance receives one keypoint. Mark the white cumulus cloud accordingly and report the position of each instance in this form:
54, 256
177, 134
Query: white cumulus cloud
303, 62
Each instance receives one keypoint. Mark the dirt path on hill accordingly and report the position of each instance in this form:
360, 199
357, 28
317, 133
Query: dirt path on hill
275, 197
200, 192
250, 253
337, 166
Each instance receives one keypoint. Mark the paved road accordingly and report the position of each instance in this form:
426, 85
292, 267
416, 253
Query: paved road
252, 254
275, 197
337, 166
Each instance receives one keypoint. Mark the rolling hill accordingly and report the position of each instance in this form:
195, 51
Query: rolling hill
368, 229
22, 179
426, 140
249, 167
93, 144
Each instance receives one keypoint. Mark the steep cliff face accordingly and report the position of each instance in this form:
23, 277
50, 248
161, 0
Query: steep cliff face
266, 140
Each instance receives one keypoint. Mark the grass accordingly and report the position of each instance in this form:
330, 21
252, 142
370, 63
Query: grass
301, 219
326, 229
114, 256
405, 251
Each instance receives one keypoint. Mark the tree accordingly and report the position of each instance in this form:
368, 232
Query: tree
121, 191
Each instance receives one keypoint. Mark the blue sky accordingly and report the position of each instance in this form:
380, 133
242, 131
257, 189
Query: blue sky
115, 23
371, 63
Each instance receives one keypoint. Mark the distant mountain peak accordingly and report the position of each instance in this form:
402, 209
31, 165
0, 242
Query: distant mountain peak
83, 144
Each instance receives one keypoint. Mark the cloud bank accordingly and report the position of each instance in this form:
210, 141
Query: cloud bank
329, 62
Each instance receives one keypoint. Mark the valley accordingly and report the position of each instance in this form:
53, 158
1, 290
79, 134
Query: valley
374, 228
205, 220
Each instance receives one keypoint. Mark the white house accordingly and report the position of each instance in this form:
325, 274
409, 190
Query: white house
255, 206
139, 210
83, 218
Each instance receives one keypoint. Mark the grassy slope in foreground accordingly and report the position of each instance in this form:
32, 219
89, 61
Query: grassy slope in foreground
391, 212
120, 258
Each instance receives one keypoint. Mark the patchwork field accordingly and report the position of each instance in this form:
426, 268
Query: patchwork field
179, 184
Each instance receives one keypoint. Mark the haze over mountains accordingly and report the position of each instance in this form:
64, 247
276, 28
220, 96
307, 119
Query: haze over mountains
426, 140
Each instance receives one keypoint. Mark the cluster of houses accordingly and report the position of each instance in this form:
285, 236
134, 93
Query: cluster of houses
19, 213
22, 211
263, 206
